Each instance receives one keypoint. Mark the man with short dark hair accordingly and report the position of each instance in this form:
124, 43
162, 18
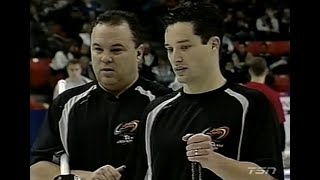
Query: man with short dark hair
95, 124
211, 129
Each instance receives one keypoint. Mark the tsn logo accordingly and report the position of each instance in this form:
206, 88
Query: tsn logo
262, 170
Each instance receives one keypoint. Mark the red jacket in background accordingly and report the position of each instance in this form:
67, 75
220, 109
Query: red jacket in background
272, 95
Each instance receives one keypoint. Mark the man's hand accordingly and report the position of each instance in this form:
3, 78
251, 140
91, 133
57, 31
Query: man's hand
199, 148
107, 172
84, 175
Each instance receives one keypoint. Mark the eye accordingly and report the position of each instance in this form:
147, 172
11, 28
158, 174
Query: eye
169, 49
116, 50
97, 49
185, 47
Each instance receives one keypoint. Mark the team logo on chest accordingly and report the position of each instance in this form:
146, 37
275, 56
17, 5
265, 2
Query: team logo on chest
125, 132
217, 135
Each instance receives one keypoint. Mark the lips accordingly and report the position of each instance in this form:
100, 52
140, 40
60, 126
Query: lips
180, 68
107, 69
107, 72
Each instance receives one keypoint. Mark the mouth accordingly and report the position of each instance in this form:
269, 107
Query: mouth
180, 68
107, 70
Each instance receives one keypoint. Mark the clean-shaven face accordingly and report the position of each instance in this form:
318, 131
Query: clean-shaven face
190, 59
115, 42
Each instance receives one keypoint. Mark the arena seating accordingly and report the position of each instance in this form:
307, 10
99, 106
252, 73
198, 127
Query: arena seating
282, 83
276, 48
39, 72
37, 115
40, 77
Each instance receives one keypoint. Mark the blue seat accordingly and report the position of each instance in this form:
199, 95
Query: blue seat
36, 119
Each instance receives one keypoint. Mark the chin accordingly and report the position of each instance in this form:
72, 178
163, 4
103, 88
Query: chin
182, 79
108, 80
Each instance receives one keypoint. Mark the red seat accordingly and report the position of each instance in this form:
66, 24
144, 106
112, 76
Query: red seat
277, 48
39, 72
282, 83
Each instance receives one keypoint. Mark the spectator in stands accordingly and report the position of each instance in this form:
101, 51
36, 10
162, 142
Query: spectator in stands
149, 56
91, 8
74, 78
281, 66
146, 71
230, 23
56, 40
226, 64
265, 53
148, 61
241, 58
243, 30
37, 31
258, 71
85, 33
267, 26
62, 57
276, 64
230, 73
95, 124
163, 71
285, 24
226, 54
85, 61
226, 40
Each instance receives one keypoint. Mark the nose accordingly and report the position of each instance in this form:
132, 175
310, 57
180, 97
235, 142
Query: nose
106, 58
176, 56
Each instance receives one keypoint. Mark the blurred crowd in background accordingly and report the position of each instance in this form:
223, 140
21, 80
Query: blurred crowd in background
60, 32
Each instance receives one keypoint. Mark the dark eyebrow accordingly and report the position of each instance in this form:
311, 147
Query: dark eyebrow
182, 41
95, 44
115, 45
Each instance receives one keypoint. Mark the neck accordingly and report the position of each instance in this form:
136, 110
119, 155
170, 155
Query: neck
76, 78
258, 79
117, 93
205, 84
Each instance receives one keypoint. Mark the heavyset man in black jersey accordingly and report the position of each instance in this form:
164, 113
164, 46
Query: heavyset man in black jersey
95, 124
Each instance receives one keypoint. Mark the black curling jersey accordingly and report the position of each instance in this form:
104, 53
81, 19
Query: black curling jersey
240, 121
92, 126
